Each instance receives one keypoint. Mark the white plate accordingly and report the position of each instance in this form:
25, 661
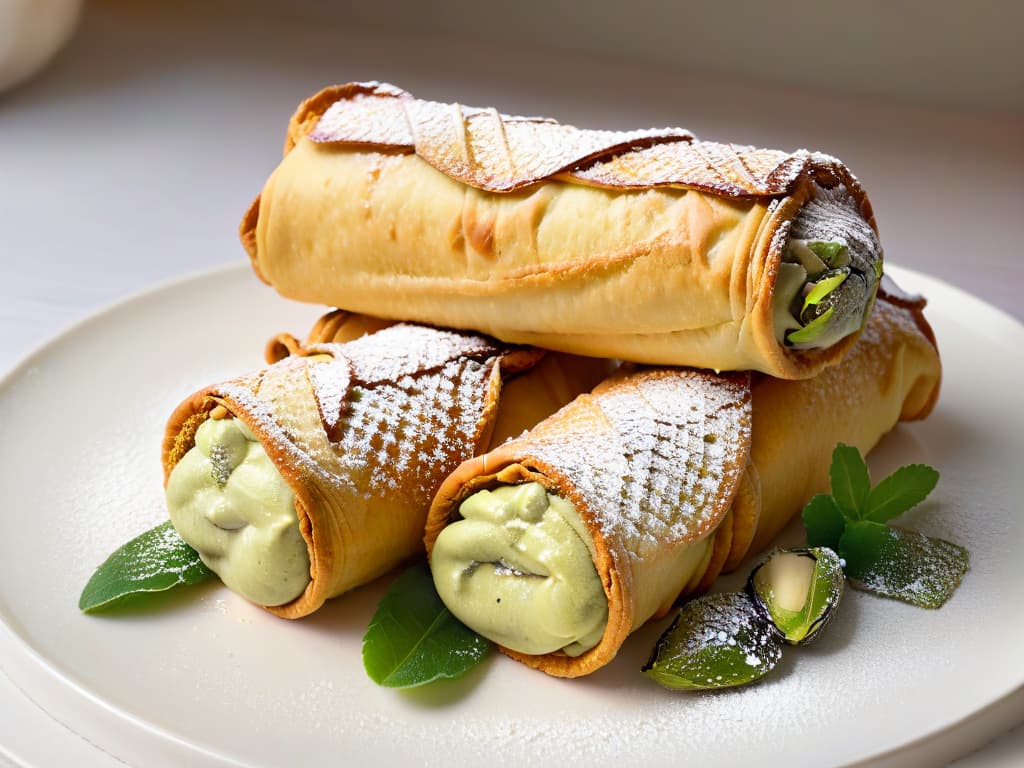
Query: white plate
204, 678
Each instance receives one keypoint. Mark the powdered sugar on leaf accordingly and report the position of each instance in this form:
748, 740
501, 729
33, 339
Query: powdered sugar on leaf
717, 641
155, 561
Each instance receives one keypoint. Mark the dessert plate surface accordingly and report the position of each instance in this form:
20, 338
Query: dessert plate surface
199, 676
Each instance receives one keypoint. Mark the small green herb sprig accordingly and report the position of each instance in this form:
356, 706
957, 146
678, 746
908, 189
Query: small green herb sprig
891, 562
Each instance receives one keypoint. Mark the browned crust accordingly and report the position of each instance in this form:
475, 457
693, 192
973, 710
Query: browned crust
746, 511
501, 153
721, 546
785, 362
734, 537
247, 235
334, 327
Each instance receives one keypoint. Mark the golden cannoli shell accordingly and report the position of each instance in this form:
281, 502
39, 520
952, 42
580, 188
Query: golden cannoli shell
648, 246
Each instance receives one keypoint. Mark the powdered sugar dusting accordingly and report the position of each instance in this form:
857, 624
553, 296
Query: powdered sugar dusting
885, 334
879, 677
481, 147
664, 467
398, 409
330, 382
416, 428
163, 554
500, 153
833, 215
403, 350
716, 641
915, 568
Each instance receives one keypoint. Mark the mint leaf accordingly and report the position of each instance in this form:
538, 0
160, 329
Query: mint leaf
413, 639
823, 521
863, 544
905, 488
157, 560
903, 565
851, 483
891, 562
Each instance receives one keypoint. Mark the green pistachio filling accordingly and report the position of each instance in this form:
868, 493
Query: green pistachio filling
829, 273
518, 568
228, 501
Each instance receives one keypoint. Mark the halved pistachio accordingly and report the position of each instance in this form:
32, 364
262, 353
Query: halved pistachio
716, 641
797, 591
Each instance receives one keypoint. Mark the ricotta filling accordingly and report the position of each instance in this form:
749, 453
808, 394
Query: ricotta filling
518, 568
228, 501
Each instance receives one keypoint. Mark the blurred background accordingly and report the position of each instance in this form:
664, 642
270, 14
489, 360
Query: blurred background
134, 133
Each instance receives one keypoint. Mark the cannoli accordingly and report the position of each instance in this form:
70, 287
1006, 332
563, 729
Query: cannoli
561, 542
314, 475
649, 246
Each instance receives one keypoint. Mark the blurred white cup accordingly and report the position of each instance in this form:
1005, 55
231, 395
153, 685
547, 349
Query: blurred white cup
31, 33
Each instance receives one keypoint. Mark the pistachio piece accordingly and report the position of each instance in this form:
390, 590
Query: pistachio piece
832, 253
716, 641
819, 289
797, 591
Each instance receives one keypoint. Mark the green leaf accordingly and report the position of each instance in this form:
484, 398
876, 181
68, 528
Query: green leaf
823, 521
157, 560
716, 641
863, 545
851, 483
413, 639
903, 565
905, 488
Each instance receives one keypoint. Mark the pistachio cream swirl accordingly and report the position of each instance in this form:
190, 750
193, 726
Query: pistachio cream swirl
518, 568
831, 265
228, 501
